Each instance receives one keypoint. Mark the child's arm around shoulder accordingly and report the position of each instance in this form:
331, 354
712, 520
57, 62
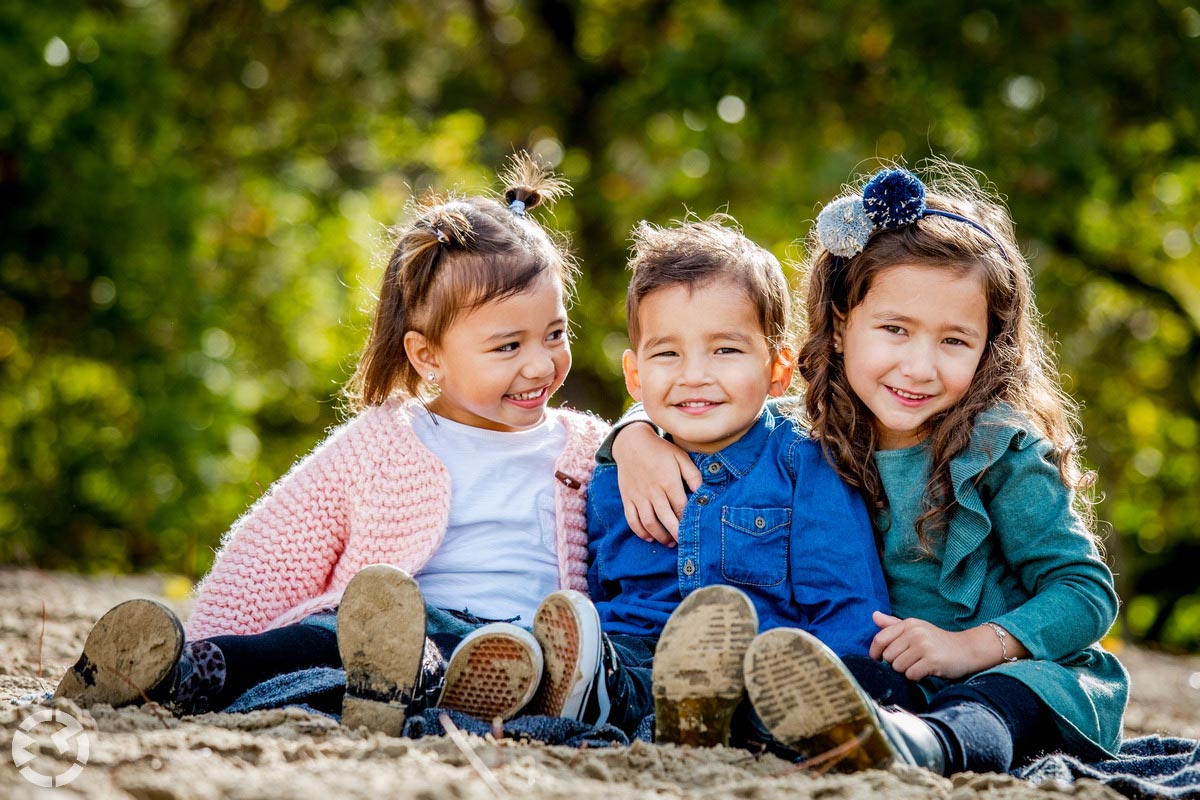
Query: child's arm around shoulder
282, 550
653, 475
836, 575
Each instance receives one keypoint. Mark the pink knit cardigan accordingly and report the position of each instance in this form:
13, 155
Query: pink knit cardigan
370, 493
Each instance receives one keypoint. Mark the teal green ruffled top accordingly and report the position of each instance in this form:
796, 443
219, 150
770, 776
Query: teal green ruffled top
1016, 553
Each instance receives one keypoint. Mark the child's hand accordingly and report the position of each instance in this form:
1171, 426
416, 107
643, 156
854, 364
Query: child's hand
650, 474
920, 649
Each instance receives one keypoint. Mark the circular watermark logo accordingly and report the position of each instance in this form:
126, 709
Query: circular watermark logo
67, 736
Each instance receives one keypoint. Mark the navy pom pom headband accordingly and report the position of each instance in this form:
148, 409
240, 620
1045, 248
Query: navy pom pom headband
892, 199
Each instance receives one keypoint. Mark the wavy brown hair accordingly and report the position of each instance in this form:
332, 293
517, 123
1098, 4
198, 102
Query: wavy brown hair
1017, 366
456, 254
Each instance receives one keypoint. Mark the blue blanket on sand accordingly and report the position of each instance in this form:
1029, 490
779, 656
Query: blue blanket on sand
1151, 766
296, 688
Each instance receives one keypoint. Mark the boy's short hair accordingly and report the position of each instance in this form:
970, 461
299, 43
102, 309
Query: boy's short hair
696, 252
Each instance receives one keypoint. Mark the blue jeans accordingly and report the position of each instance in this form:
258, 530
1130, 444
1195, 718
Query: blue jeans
630, 690
629, 683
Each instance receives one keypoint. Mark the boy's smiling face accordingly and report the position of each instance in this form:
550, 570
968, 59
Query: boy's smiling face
703, 367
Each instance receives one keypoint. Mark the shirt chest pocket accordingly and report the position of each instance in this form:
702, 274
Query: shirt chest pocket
754, 545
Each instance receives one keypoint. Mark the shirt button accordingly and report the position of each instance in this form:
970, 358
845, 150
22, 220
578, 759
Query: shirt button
714, 468
689, 568
702, 500
760, 523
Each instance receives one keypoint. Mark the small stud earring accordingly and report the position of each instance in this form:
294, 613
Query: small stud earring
431, 378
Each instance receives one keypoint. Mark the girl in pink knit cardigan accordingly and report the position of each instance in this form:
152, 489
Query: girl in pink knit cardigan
453, 470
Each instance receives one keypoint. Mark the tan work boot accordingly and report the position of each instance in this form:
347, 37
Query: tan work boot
810, 703
698, 666
129, 656
381, 637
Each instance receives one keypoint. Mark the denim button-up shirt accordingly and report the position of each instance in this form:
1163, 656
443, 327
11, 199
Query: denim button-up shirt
772, 518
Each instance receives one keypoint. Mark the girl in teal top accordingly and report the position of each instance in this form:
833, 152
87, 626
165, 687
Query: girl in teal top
932, 390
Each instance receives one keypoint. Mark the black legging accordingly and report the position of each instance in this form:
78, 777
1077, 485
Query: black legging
988, 723
250, 660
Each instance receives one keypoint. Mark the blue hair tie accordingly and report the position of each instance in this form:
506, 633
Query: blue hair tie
893, 198
517, 207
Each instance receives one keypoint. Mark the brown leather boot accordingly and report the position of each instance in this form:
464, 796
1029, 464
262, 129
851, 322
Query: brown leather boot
810, 703
130, 656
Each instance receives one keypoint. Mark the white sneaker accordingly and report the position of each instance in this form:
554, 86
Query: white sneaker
493, 673
567, 627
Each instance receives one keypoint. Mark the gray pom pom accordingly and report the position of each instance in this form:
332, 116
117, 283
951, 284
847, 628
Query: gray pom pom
843, 227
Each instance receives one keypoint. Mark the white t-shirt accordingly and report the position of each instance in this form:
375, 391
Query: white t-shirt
499, 559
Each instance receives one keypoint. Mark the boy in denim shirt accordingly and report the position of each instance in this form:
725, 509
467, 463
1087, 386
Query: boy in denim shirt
773, 537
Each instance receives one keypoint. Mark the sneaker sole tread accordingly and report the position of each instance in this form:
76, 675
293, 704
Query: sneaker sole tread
494, 678
556, 626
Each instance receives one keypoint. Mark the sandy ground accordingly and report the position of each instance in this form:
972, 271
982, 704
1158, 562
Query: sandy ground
146, 753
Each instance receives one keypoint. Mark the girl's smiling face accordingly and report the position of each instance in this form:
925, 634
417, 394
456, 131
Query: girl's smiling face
498, 364
912, 346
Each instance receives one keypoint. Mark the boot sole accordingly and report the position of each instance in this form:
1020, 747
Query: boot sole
128, 652
492, 676
810, 702
381, 638
698, 677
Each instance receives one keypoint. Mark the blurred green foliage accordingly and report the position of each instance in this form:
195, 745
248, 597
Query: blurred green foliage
194, 199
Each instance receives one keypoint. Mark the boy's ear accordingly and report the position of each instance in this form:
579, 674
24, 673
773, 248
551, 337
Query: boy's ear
421, 353
781, 371
633, 381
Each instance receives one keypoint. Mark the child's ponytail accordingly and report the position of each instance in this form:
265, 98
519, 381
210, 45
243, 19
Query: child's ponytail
527, 185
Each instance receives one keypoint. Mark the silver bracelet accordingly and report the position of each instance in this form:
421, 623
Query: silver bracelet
1002, 635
